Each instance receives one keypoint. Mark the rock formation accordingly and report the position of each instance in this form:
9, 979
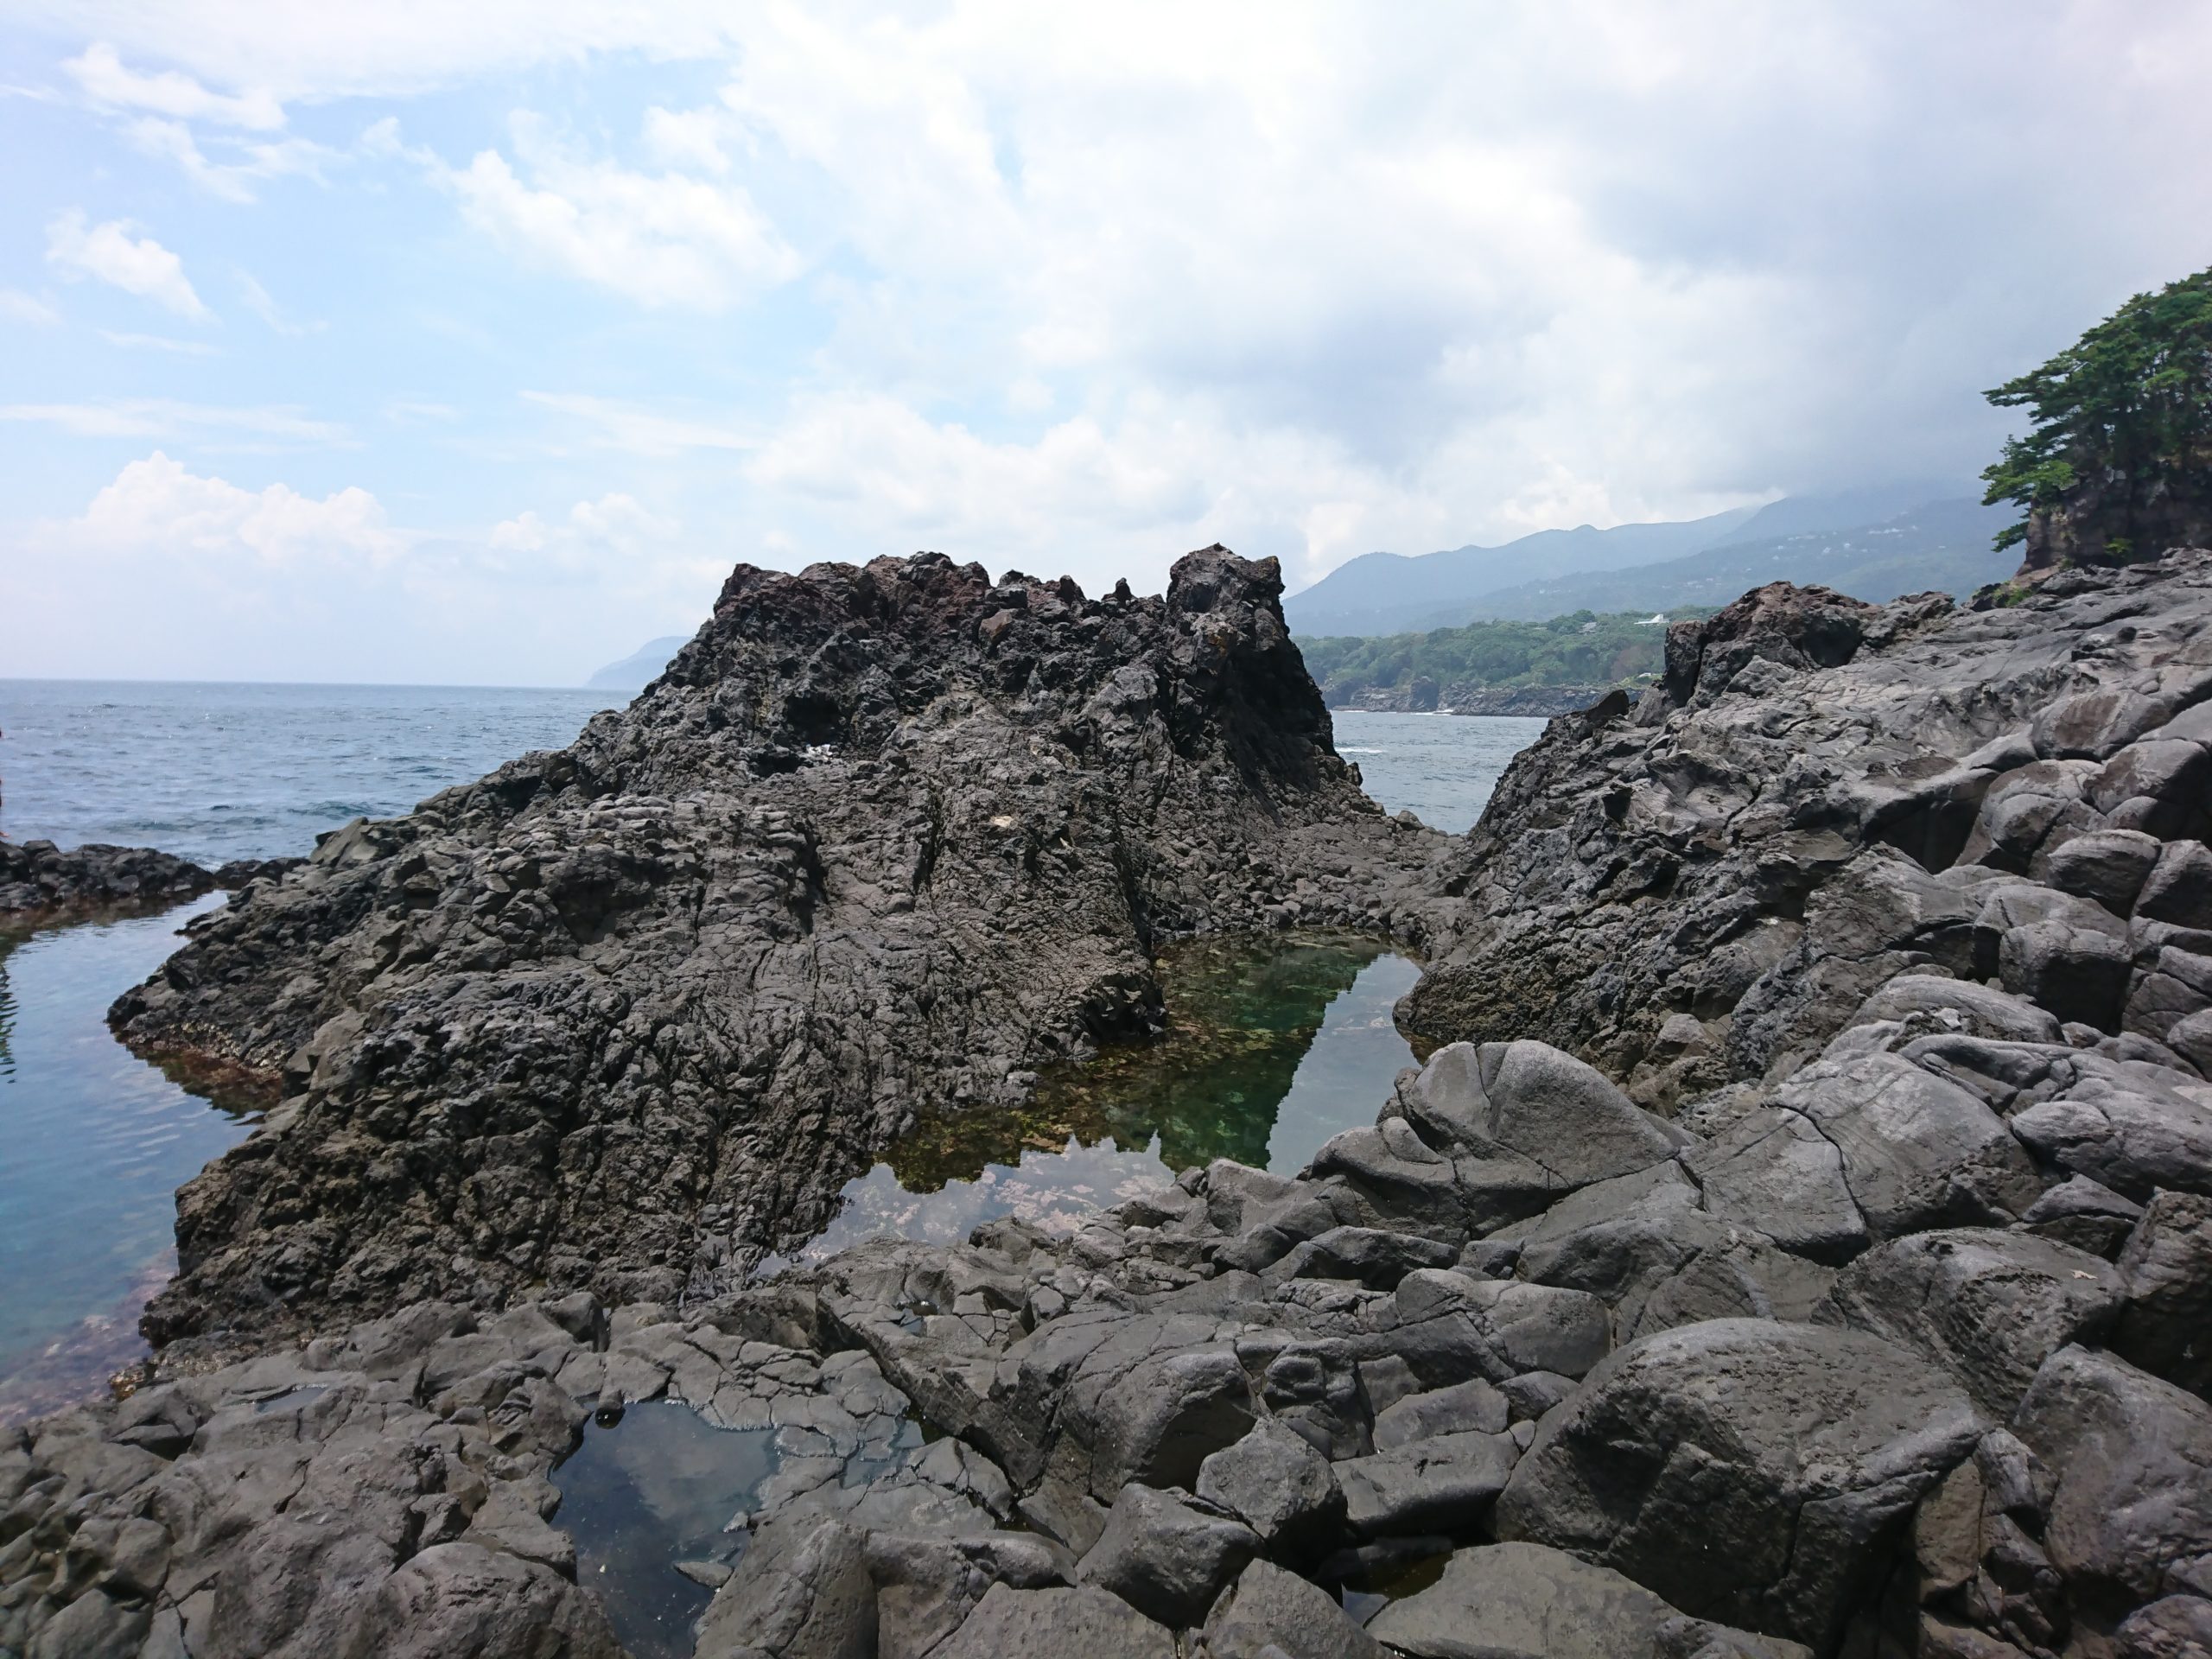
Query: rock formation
1801, 1248
627, 1014
41, 884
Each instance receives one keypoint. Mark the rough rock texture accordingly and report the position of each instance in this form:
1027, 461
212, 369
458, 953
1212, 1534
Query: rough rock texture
1801, 1239
1825, 796
1750, 1472
626, 1015
40, 883
1525, 1601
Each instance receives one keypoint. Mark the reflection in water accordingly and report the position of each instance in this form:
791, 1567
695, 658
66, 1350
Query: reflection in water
1272, 1047
657, 1485
97, 1143
7, 1018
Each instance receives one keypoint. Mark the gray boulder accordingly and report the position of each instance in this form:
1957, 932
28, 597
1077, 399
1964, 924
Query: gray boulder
1979, 1010
803, 1590
1446, 1318
2133, 1140
1988, 1306
1776, 1173
2173, 1627
2086, 1214
1524, 1601
2107, 865
2130, 1516
1278, 1486
2166, 1326
1472, 1407
1370, 1255
459, 1599
1443, 1485
1269, 1612
1526, 1099
2076, 973
1870, 1146
2179, 888
1081, 1623
1165, 1559
1752, 1472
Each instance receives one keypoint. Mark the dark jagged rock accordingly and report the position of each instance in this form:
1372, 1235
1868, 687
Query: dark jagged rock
879, 841
1824, 796
1833, 1282
40, 883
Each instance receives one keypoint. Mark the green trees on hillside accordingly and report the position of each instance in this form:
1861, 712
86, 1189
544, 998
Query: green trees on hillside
2119, 456
1581, 649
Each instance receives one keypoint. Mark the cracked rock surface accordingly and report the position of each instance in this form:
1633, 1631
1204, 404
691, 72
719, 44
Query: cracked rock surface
1800, 1247
627, 1015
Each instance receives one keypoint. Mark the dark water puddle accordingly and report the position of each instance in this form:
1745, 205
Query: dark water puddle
96, 1142
1272, 1047
656, 1486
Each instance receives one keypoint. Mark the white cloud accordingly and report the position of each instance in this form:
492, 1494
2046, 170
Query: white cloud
156, 506
615, 424
258, 301
231, 180
107, 82
156, 417
18, 306
661, 240
109, 253
613, 535
691, 138
319, 53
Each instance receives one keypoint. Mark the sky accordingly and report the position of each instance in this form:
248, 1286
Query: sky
474, 343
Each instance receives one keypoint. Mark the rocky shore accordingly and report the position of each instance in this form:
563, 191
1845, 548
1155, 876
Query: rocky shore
41, 884
626, 1016
1802, 1243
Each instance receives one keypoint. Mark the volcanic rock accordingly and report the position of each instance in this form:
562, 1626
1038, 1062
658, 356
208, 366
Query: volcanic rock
882, 839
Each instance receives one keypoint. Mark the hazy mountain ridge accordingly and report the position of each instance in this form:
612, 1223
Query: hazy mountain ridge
1943, 545
1390, 592
640, 667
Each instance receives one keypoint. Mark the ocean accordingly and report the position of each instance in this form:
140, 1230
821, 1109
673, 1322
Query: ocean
215, 772
97, 1140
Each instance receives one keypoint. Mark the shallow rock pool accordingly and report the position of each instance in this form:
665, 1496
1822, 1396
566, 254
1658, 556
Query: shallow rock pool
1272, 1045
96, 1141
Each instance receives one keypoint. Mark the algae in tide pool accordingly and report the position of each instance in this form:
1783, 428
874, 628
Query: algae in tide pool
1272, 1046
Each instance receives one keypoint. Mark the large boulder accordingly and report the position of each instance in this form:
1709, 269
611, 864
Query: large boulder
1444, 1484
1269, 1612
1916, 1150
1524, 1601
1988, 1306
2135, 1135
1081, 1623
1752, 1472
2166, 1325
1165, 1558
1527, 1100
2130, 1514
1279, 1486
463, 1599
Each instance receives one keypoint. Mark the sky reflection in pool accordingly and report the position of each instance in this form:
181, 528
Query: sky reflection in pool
1272, 1045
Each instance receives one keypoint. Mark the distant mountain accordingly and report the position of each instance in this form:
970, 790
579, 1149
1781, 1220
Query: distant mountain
641, 666
1393, 593
1939, 544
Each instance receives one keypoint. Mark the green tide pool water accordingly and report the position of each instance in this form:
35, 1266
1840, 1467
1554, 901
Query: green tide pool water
1273, 1044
